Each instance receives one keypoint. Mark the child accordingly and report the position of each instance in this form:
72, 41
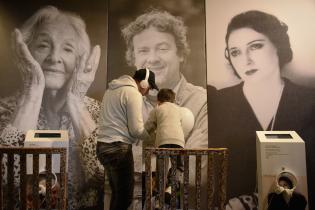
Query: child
285, 197
165, 120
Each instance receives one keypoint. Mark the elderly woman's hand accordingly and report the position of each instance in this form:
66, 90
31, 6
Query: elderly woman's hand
33, 85
81, 80
32, 74
85, 73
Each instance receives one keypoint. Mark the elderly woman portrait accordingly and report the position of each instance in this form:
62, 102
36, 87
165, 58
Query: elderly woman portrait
257, 49
53, 53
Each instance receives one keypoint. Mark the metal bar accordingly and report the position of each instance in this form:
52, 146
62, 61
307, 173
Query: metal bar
198, 181
223, 179
177, 151
23, 179
31, 150
148, 179
161, 180
186, 182
173, 182
1, 178
210, 181
36, 181
63, 180
48, 181
10, 166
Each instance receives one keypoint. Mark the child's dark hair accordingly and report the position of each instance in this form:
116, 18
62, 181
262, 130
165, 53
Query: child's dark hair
166, 95
287, 180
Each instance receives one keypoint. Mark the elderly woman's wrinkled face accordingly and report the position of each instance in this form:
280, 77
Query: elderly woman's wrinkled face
55, 48
253, 55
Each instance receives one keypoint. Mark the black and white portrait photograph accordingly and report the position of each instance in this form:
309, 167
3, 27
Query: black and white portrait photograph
260, 58
168, 38
53, 75
284, 195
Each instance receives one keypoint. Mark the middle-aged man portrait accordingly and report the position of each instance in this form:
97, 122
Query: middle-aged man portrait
168, 38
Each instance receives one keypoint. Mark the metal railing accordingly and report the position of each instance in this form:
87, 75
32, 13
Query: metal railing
8, 155
217, 163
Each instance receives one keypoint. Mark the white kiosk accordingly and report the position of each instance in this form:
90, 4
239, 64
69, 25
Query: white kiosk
46, 138
279, 152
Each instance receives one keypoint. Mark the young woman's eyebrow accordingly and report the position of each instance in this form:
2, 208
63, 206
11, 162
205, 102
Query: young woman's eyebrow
233, 48
256, 40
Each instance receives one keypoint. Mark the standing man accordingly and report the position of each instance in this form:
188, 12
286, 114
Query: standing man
157, 40
120, 125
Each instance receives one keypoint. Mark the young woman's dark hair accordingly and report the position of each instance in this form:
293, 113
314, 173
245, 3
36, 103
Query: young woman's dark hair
267, 24
287, 180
